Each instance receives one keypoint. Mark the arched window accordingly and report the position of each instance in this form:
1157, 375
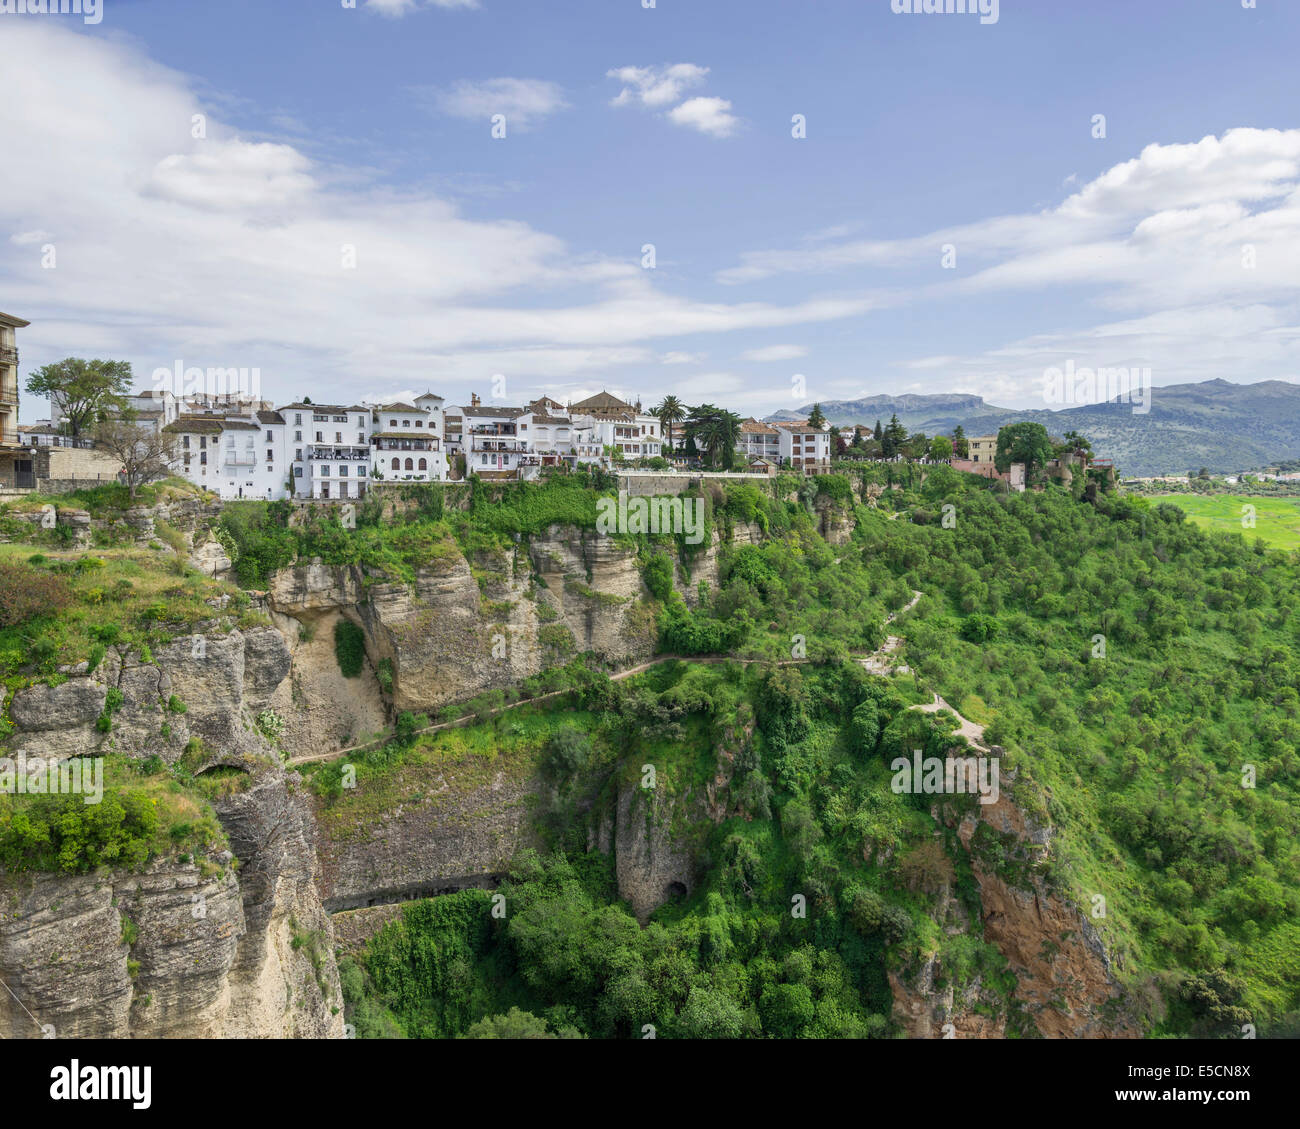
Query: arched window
410, 465
424, 464
397, 464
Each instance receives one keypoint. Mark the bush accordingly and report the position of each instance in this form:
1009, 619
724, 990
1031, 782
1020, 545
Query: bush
658, 575
349, 648
27, 593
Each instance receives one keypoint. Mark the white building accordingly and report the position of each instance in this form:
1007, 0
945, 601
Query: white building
804, 446
408, 441
604, 421
759, 440
329, 449
491, 442
154, 408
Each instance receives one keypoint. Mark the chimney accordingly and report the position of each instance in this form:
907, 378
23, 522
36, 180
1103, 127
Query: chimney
474, 401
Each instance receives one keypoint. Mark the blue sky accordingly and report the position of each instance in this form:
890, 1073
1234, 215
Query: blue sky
521, 256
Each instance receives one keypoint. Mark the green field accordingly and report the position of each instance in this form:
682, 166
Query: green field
1277, 520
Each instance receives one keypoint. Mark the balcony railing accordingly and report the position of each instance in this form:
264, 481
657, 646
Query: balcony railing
340, 454
493, 429
8, 356
239, 458
406, 444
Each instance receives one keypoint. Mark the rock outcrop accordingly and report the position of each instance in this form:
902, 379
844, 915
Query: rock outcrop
232, 943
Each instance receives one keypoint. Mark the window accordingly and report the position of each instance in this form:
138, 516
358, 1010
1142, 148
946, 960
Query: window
320, 437
297, 454
297, 472
361, 438
185, 441
203, 459
297, 421
419, 423
361, 471
410, 465
325, 470
343, 471
297, 436
424, 464
406, 423
484, 460
392, 423
338, 437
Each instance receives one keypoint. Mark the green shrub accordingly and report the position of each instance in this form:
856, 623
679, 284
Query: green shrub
349, 648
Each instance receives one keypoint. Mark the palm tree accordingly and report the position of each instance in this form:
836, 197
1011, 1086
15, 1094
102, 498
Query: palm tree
670, 412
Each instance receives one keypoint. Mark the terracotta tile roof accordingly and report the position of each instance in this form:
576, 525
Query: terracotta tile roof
753, 426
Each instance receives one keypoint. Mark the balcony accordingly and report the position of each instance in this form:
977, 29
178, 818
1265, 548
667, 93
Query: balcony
340, 454
239, 458
8, 356
493, 429
423, 444
509, 446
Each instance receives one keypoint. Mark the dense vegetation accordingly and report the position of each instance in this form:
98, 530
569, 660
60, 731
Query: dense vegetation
1140, 674
812, 816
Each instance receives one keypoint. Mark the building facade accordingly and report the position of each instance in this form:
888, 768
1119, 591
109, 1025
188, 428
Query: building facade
15, 459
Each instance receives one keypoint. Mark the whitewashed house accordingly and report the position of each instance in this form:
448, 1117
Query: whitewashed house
407, 441
331, 450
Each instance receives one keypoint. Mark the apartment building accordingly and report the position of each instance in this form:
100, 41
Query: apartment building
329, 449
491, 441
408, 441
15, 460
759, 440
983, 449
804, 446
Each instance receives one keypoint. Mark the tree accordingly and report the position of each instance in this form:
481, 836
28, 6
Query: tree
838, 445
815, 417
1026, 443
893, 437
516, 1024
145, 454
878, 434
85, 392
857, 439
940, 448
716, 431
670, 412
960, 444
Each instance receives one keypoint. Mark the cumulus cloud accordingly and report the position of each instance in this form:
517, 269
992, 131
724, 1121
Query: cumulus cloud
227, 251
709, 115
658, 88
655, 87
523, 101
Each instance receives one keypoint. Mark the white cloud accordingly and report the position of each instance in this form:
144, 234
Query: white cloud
26, 238
775, 353
679, 358
228, 251
709, 115
399, 8
656, 87
523, 101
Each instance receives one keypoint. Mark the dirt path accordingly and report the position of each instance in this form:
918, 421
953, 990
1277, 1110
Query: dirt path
967, 728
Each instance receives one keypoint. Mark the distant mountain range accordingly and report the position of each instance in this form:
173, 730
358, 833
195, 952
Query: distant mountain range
1215, 424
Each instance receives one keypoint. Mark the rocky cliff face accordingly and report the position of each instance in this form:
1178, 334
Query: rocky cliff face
234, 943
470, 625
1065, 984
